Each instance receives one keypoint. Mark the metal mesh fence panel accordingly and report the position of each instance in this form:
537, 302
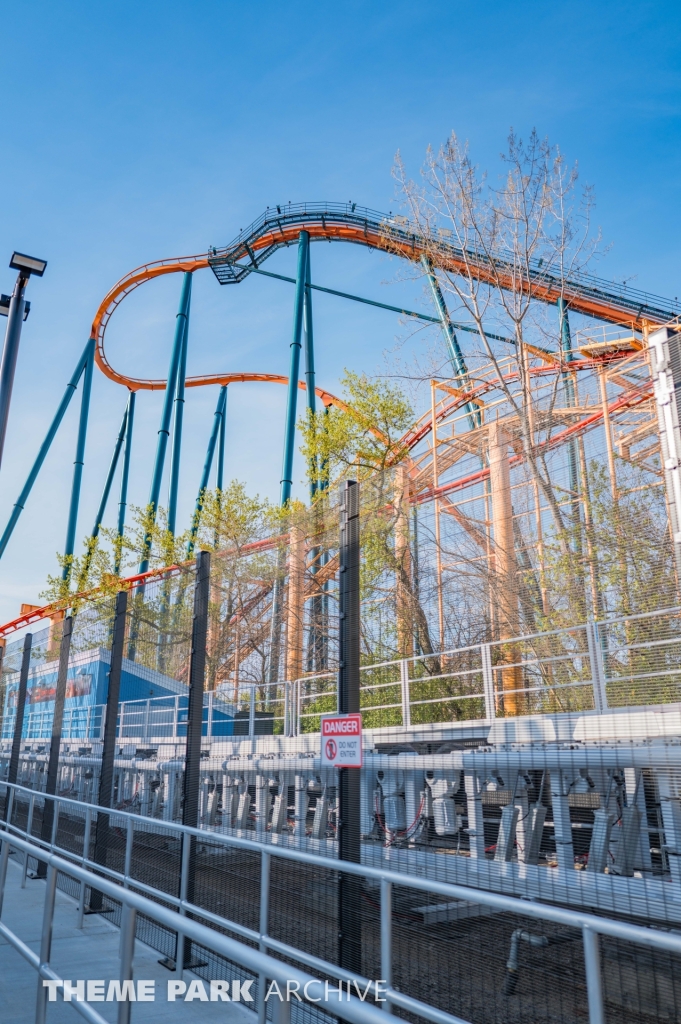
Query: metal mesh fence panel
519, 700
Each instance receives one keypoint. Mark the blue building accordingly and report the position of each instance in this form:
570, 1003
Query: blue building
152, 704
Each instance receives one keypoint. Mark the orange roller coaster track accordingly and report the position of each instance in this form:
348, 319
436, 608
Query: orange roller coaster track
299, 225
331, 222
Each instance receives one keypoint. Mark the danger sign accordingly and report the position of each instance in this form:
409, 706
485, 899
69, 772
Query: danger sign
342, 741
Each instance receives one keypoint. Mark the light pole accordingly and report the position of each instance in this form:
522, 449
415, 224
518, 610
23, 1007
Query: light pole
15, 308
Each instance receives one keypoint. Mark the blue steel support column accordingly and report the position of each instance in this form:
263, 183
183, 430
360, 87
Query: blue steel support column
164, 429
125, 475
219, 480
309, 367
314, 635
324, 626
10, 351
290, 429
289, 448
44, 449
174, 487
110, 475
568, 384
218, 424
79, 460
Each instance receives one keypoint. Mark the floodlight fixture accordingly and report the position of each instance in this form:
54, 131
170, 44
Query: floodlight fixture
4, 306
27, 264
15, 308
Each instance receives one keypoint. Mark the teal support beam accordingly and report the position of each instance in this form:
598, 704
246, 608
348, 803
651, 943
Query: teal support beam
164, 429
79, 460
324, 478
565, 337
569, 386
455, 354
44, 448
110, 475
309, 369
218, 428
289, 448
291, 407
472, 329
220, 476
176, 456
314, 632
125, 475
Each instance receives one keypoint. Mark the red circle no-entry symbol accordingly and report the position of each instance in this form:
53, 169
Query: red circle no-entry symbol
331, 749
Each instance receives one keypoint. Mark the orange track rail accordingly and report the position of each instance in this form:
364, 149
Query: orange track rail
288, 235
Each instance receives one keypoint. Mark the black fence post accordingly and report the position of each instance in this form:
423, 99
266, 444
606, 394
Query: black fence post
19, 720
106, 775
192, 764
348, 828
55, 741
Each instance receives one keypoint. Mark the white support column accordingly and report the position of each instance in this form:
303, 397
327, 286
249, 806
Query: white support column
488, 682
597, 668
561, 822
476, 828
662, 366
668, 786
633, 781
404, 683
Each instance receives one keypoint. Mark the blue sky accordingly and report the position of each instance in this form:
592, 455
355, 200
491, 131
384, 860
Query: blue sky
138, 131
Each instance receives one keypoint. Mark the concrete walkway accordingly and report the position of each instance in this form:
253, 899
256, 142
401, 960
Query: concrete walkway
89, 954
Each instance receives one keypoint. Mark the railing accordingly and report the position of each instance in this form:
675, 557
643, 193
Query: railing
134, 903
621, 662
138, 897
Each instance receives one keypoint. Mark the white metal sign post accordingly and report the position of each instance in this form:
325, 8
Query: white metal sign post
342, 741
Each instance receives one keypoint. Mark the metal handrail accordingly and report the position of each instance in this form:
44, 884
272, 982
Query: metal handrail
255, 961
589, 924
37, 723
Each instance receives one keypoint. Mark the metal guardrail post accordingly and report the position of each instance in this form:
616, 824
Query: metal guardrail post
404, 687
128, 924
29, 828
106, 775
55, 741
178, 963
251, 717
281, 1011
86, 856
4, 858
265, 867
192, 766
299, 707
46, 942
129, 838
209, 727
594, 985
348, 831
488, 681
13, 769
597, 667
387, 937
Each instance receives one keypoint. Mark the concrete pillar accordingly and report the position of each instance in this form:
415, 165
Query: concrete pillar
296, 603
405, 625
505, 567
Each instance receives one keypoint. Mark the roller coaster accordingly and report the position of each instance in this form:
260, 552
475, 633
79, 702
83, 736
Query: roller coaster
521, 701
301, 224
